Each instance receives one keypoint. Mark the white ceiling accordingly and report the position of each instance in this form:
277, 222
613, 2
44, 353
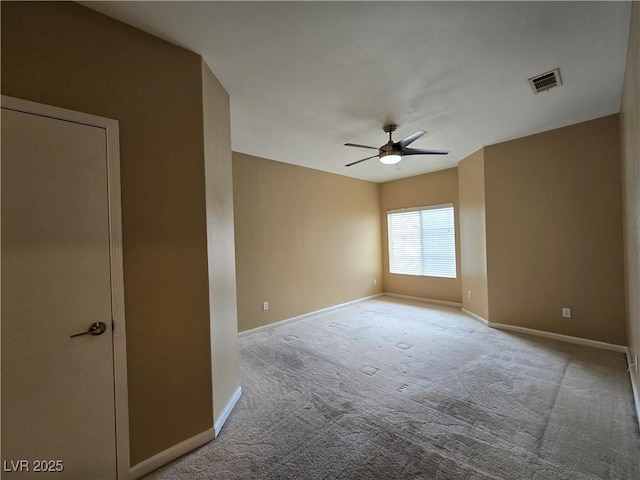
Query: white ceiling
306, 77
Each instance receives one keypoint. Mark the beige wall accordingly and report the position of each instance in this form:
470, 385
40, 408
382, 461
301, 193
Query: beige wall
305, 239
221, 250
66, 55
473, 234
554, 231
630, 135
429, 189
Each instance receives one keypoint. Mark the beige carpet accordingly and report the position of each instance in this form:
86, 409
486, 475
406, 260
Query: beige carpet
389, 389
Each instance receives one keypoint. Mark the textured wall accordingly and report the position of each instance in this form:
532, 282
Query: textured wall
66, 55
305, 239
473, 234
222, 267
429, 189
554, 231
630, 134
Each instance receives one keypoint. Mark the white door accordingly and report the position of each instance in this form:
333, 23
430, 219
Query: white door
58, 419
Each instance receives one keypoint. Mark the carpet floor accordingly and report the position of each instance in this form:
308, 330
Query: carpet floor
390, 389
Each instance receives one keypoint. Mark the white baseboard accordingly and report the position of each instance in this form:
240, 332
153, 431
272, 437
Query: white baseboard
153, 463
226, 411
475, 317
559, 336
306, 315
555, 336
426, 300
634, 386
158, 460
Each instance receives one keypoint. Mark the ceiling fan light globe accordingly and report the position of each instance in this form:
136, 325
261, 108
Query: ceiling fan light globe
390, 159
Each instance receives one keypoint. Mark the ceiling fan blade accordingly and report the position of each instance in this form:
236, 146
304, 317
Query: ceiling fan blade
359, 146
358, 161
410, 139
421, 151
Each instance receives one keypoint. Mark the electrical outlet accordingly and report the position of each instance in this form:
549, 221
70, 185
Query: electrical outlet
265, 306
375, 281
566, 312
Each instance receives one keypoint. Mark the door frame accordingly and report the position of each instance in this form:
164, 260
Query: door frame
111, 129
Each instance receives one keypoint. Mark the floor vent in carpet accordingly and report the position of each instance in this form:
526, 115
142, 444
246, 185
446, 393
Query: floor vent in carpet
369, 370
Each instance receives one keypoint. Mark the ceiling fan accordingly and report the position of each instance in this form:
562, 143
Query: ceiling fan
392, 152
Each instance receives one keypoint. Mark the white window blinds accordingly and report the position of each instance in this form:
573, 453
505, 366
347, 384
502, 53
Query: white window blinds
422, 241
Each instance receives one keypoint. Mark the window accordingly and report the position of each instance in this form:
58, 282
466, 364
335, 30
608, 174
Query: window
422, 241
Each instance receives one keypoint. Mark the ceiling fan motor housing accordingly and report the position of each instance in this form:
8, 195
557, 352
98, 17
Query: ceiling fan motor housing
389, 149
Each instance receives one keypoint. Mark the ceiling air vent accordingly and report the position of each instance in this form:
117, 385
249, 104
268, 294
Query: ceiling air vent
542, 83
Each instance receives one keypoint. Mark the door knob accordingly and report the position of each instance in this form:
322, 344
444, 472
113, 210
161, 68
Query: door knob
96, 328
